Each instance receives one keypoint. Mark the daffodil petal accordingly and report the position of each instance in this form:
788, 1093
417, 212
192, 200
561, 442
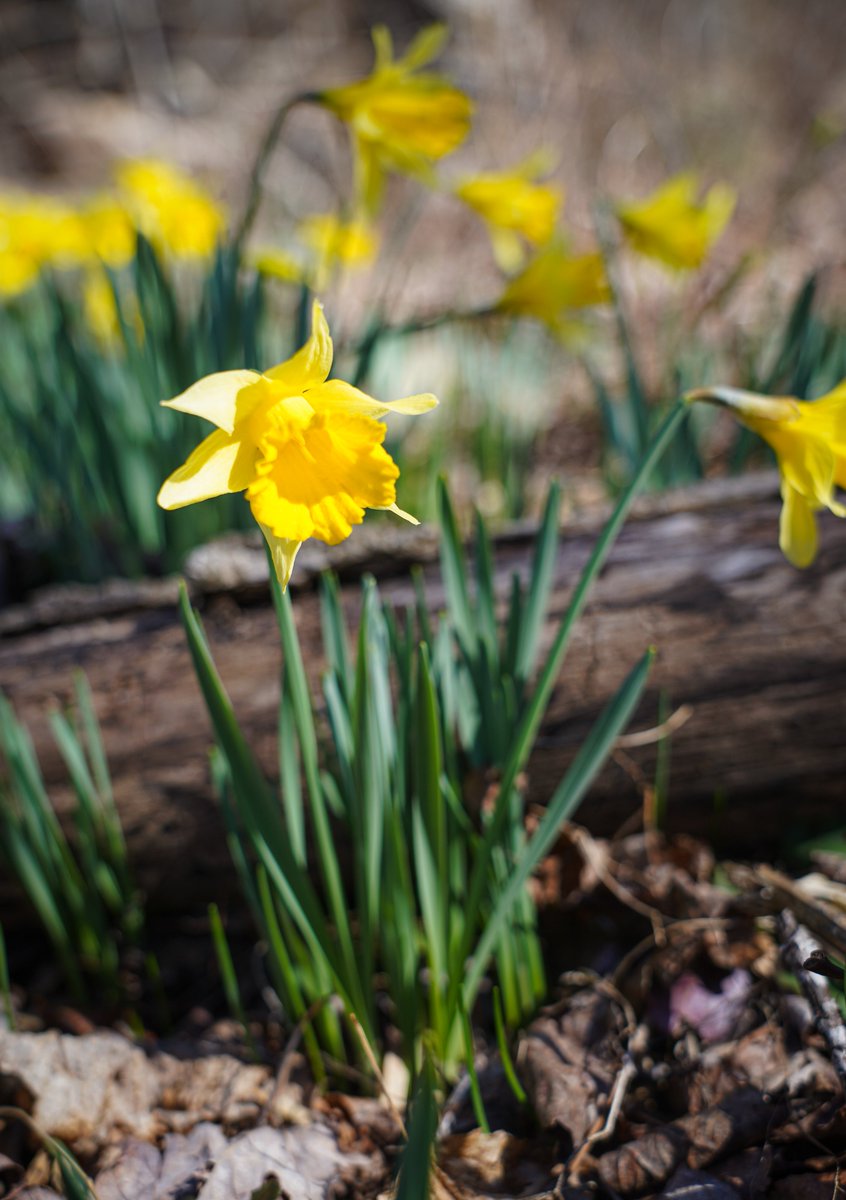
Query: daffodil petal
508, 249
400, 512
222, 463
216, 398
426, 46
337, 396
312, 363
283, 551
807, 466
383, 45
797, 528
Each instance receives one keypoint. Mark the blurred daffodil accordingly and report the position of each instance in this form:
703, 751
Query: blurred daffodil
401, 119
334, 242
307, 450
515, 207
329, 241
675, 228
554, 284
109, 229
37, 232
809, 440
169, 208
100, 309
277, 264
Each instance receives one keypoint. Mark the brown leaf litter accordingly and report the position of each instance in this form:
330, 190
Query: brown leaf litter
693, 1056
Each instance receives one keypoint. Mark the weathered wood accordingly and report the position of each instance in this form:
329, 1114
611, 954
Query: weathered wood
757, 648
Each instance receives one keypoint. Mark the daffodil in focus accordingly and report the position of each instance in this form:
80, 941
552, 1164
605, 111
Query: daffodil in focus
169, 208
306, 450
515, 207
673, 226
809, 440
401, 119
553, 285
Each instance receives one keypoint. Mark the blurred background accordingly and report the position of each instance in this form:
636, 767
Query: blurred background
753, 91
748, 93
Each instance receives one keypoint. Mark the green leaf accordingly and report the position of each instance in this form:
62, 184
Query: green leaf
566, 798
416, 1166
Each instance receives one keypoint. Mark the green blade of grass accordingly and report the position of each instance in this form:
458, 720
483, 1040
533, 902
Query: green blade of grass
416, 1165
470, 1064
569, 793
523, 740
229, 976
504, 1052
540, 584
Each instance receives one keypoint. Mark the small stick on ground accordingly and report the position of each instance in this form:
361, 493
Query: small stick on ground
797, 947
380, 1078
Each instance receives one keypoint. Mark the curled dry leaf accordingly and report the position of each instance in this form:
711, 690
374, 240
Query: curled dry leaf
497, 1164
568, 1063
136, 1168
644, 1165
745, 1118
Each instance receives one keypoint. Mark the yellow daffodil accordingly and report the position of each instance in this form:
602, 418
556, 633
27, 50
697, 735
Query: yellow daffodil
672, 227
277, 264
809, 440
307, 450
37, 232
100, 309
400, 119
332, 240
169, 208
101, 312
110, 230
514, 207
553, 284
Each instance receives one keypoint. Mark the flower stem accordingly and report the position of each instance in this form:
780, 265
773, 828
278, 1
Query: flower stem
266, 148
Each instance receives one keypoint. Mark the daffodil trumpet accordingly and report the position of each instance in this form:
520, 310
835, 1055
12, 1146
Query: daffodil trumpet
305, 449
675, 228
401, 118
809, 441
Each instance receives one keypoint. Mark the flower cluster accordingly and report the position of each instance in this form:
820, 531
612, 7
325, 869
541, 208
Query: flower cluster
38, 233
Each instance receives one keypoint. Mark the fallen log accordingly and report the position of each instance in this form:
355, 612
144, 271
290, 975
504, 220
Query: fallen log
754, 646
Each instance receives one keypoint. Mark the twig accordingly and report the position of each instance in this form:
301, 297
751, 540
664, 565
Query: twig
780, 892
380, 1078
592, 855
797, 946
646, 737
636, 1043
685, 925
283, 1075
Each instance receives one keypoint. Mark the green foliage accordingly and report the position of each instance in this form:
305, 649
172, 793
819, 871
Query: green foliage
432, 887
84, 444
805, 358
81, 889
75, 1183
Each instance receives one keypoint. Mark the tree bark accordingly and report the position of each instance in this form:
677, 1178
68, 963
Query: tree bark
755, 647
